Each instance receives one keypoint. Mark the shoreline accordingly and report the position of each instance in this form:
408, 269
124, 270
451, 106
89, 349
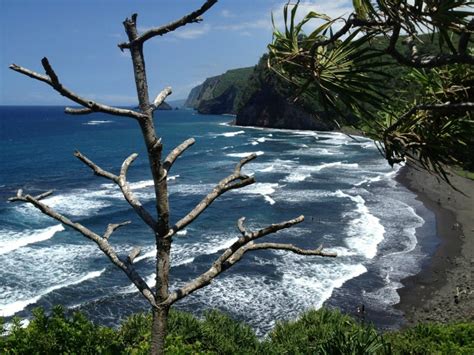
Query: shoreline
443, 290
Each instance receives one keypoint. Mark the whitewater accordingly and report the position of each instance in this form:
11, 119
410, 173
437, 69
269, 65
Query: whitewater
352, 204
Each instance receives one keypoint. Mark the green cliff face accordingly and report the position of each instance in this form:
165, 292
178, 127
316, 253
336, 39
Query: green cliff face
218, 94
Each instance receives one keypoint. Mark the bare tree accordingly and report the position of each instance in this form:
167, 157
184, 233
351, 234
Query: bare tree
159, 296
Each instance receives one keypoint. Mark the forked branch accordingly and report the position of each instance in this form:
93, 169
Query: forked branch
176, 153
233, 181
90, 106
193, 17
121, 181
101, 241
237, 250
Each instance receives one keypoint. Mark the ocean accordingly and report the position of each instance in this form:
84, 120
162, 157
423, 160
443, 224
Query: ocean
348, 193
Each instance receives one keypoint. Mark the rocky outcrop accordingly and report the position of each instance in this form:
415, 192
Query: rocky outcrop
192, 100
268, 108
224, 103
219, 94
258, 97
164, 107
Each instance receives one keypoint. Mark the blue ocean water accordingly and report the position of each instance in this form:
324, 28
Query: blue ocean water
345, 189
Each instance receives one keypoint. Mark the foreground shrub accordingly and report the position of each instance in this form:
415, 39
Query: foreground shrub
434, 339
315, 332
58, 334
326, 332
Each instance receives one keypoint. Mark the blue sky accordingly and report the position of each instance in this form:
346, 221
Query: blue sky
80, 38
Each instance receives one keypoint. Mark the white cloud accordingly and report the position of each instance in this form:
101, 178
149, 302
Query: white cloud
227, 14
192, 32
333, 9
264, 23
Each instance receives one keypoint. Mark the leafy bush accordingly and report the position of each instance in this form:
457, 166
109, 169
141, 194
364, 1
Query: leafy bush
57, 334
326, 332
315, 332
434, 339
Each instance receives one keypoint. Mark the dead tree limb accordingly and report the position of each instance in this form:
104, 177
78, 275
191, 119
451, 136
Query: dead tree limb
113, 227
233, 181
52, 80
101, 241
176, 153
160, 98
193, 17
121, 181
237, 250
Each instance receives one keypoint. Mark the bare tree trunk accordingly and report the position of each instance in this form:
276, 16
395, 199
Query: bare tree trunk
154, 149
159, 329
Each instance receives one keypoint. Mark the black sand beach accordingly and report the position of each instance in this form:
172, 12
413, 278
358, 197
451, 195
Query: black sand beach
444, 290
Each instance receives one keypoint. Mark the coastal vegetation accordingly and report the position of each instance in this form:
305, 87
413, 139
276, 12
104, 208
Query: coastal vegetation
314, 332
342, 62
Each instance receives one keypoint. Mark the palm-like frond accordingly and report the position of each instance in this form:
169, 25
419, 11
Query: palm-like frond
336, 74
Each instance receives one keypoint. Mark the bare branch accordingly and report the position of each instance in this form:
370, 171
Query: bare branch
236, 251
176, 152
241, 227
431, 61
121, 181
126, 164
193, 17
160, 98
102, 243
133, 254
19, 196
290, 247
444, 107
234, 181
52, 80
97, 170
113, 227
77, 111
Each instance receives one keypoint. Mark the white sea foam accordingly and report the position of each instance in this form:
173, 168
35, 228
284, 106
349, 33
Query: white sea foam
245, 154
254, 143
185, 253
76, 203
231, 134
10, 240
267, 169
266, 298
260, 188
297, 177
97, 122
365, 231
183, 232
7, 310
338, 164
369, 180
141, 184
269, 199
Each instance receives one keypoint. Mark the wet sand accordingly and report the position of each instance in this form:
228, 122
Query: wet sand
444, 290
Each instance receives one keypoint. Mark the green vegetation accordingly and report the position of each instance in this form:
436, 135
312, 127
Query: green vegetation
315, 332
236, 77
218, 94
412, 93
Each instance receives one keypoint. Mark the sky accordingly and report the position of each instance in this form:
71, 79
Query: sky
80, 39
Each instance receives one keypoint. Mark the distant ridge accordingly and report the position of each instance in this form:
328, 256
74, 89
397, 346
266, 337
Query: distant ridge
219, 94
